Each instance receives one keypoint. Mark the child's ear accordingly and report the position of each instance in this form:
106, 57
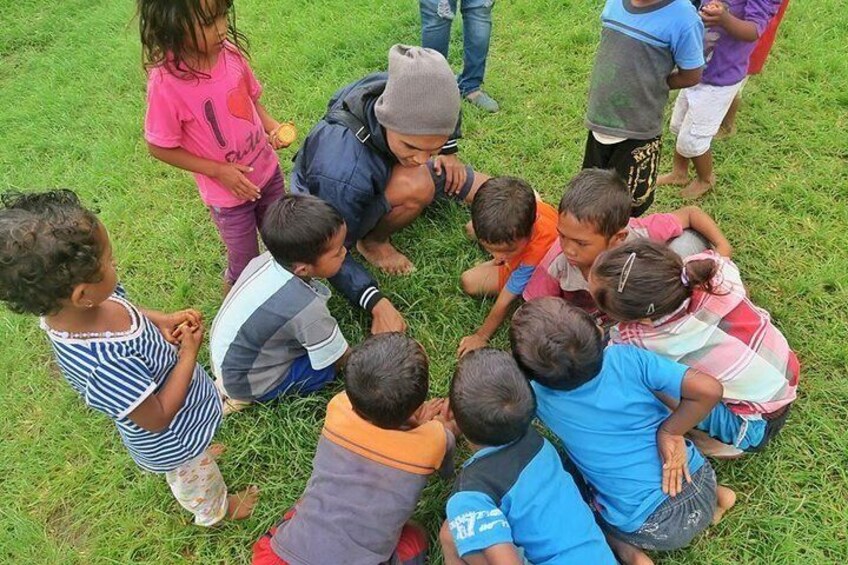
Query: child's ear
302, 269
78, 297
619, 237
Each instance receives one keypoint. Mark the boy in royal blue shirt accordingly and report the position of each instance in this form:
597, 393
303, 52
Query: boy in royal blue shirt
508, 491
654, 490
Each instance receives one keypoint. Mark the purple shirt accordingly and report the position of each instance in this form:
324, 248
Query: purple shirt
727, 57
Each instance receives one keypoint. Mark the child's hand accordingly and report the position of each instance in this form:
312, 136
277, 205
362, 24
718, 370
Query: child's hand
675, 468
231, 175
471, 342
454, 171
189, 339
282, 135
713, 13
174, 324
446, 417
427, 411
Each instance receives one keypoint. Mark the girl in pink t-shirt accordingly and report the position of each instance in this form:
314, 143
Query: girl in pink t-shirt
204, 116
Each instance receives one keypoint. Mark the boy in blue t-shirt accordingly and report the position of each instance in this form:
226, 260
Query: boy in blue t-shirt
507, 493
654, 490
647, 48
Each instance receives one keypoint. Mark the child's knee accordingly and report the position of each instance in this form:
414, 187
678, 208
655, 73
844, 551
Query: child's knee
445, 537
470, 284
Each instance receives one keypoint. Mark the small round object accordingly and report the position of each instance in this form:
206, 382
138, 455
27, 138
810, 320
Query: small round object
286, 134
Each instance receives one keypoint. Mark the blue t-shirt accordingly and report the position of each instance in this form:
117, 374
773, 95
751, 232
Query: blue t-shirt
520, 494
609, 428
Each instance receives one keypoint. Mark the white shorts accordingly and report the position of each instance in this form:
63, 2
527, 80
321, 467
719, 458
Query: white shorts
697, 116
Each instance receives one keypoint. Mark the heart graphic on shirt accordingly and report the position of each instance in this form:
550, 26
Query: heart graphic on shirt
239, 103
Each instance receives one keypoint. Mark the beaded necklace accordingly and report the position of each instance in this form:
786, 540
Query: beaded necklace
95, 335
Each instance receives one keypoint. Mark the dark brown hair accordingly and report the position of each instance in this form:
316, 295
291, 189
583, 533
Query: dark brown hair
654, 284
599, 197
503, 210
297, 228
167, 28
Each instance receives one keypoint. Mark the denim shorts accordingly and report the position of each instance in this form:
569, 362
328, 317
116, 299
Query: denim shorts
679, 519
301, 379
748, 435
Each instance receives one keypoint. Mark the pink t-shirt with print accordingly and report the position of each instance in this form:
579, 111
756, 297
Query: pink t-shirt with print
214, 118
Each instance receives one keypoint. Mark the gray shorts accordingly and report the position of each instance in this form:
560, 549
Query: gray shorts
679, 519
439, 181
689, 243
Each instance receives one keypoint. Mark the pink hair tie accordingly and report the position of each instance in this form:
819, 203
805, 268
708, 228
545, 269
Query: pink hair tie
684, 277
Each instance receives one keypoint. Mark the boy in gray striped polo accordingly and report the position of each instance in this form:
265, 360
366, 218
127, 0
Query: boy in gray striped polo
274, 334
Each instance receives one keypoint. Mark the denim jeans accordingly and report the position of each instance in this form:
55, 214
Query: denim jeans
436, 19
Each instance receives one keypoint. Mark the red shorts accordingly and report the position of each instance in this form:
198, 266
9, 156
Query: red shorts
411, 547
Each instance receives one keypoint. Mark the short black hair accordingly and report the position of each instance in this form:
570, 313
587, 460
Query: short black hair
555, 344
298, 227
503, 210
387, 378
48, 246
490, 398
599, 197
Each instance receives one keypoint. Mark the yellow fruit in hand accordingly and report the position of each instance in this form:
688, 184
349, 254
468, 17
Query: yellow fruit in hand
286, 134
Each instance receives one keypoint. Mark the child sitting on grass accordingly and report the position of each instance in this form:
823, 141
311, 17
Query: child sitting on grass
733, 29
380, 443
513, 498
517, 229
274, 334
594, 215
139, 367
654, 489
696, 311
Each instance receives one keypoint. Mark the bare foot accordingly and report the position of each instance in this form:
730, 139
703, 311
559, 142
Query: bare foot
673, 178
240, 505
385, 257
726, 500
697, 188
712, 447
626, 553
216, 450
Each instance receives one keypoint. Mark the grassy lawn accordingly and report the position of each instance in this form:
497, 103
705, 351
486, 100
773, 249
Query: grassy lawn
72, 92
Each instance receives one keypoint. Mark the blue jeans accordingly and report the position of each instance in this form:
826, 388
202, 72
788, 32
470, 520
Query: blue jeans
301, 379
436, 19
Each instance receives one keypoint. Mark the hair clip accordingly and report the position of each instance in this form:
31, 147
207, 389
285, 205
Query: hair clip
650, 309
684, 277
625, 272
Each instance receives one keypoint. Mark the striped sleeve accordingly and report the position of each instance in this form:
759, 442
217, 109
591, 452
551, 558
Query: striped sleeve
317, 331
117, 389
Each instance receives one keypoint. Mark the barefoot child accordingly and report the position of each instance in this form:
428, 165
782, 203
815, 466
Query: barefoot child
654, 489
696, 311
274, 334
594, 215
380, 443
517, 229
700, 109
204, 116
139, 367
513, 496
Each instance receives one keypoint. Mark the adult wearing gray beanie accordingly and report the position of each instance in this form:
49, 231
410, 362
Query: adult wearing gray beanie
385, 149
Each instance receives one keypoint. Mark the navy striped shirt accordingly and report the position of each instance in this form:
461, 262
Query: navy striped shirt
115, 374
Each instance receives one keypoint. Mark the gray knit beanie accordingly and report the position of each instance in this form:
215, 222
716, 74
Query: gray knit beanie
421, 96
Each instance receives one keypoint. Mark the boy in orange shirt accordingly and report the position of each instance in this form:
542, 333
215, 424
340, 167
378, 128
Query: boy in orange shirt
517, 229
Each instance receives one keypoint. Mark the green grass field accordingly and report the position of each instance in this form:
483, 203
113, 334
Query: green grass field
72, 91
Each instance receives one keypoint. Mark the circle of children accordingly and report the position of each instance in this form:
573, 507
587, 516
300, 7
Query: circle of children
637, 345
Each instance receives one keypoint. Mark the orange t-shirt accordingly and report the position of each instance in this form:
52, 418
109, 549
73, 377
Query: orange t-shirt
516, 273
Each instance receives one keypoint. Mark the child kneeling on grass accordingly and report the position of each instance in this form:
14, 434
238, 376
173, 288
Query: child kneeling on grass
139, 367
513, 500
696, 311
274, 334
517, 228
380, 443
654, 490
594, 215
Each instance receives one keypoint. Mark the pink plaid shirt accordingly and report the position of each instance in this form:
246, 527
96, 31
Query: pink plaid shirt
724, 335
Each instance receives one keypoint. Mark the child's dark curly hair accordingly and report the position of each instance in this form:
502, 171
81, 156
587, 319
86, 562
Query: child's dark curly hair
167, 28
48, 245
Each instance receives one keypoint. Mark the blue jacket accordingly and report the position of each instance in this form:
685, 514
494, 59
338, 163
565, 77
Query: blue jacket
335, 165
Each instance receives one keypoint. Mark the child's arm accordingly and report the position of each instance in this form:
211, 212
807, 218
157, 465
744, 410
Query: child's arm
231, 175
717, 14
493, 321
270, 125
157, 411
501, 554
699, 393
684, 78
698, 220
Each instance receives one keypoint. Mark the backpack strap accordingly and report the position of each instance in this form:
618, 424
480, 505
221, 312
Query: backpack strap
344, 116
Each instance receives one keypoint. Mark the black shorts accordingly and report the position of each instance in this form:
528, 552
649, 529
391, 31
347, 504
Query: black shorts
637, 161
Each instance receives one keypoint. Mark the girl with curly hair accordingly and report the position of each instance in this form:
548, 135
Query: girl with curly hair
137, 366
204, 116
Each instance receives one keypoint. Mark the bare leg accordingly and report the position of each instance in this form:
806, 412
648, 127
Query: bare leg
481, 280
712, 447
728, 124
628, 554
451, 556
216, 450
706, 178
479, 179
409, 191
240, 505
679, 173
726, 500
